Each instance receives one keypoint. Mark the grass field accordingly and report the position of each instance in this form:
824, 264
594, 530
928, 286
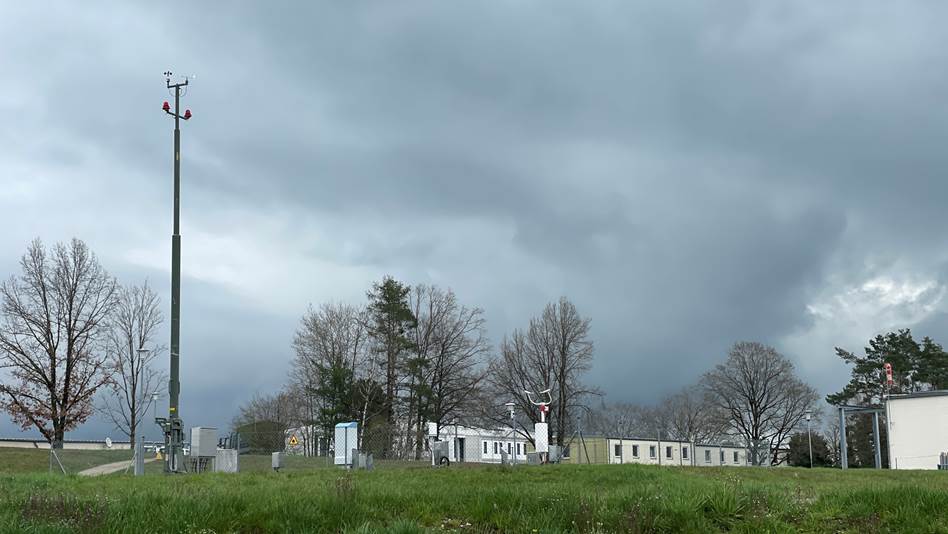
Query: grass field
14, 460
309, 497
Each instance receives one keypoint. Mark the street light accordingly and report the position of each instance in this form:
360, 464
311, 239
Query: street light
809, 439
142, 356
172, 426
513, 432
154, 404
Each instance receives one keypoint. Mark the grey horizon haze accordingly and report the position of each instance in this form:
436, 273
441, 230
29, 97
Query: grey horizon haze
689, 174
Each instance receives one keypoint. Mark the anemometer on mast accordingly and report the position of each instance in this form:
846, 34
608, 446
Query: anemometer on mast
541, 430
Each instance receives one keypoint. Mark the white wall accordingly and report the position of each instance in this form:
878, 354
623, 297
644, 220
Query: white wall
476, 438
696, 454
918, 431
711, 456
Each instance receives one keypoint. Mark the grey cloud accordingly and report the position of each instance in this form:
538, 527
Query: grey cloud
689, 174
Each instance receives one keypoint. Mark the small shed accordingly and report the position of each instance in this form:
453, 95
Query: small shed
918, 429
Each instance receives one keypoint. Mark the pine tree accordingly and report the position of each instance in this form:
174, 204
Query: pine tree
390, 321
915, 367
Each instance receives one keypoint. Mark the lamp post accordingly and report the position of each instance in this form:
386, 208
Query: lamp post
142, 357
154, 404
513, 433
809, 439
172, 426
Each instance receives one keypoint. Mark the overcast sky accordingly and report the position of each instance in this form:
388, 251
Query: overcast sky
689, 174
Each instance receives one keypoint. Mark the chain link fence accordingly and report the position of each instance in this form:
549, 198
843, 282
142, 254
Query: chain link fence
90, 459
316, 446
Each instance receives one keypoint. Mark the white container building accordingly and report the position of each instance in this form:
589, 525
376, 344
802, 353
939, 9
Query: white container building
918, 429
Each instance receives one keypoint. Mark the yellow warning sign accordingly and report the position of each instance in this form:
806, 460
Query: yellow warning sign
293, 441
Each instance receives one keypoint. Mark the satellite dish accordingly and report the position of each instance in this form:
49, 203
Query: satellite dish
108, 443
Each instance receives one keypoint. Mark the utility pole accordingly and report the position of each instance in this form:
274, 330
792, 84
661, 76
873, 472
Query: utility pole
172, 426
809, 438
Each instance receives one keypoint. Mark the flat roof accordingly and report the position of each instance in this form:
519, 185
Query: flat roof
919, 394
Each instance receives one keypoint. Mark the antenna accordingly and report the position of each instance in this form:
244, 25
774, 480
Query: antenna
172, 426
545, 392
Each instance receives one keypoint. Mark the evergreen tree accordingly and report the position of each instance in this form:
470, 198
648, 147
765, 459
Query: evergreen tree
932, 365
335, 389
915, 367
390, 321
800, 450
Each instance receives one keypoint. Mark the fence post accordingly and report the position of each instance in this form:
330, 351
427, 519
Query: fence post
139, 456
875, 433
843, 455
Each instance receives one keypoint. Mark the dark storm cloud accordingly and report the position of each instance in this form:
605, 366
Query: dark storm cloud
689, 174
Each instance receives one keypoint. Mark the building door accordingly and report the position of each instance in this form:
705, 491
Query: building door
459, 449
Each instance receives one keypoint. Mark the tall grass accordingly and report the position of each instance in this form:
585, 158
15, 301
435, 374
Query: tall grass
626, 498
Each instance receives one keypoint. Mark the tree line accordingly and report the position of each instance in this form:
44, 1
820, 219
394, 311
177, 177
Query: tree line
74, 342
414, 356
753, 399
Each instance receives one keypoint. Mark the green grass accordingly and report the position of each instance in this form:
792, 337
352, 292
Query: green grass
16, 460
307, 497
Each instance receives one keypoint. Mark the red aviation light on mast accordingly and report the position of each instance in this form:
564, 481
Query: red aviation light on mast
888, 373
187, 114
166, 106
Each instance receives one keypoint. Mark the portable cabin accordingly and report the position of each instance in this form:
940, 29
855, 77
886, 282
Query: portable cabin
918, 429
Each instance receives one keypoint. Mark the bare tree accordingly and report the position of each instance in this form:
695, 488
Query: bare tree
763, 399
618, 420
331, 349
832, 440
264, 420
655, 422
554, 353
693, 417
53, 318
132, 350
450, 343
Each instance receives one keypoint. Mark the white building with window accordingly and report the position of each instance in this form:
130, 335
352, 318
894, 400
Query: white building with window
671, 453
479, 445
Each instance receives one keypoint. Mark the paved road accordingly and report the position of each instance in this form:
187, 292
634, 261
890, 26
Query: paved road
106, 469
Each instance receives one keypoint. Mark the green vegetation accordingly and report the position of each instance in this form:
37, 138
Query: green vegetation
15, 460
565, 498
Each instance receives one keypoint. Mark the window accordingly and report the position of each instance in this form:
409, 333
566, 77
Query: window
565, 451
707, 456
485, 447
495, 447
635, 451
722, 457
618, 450
684, 453
651, 451
509, 447
668, 452
736, 459
518, 449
